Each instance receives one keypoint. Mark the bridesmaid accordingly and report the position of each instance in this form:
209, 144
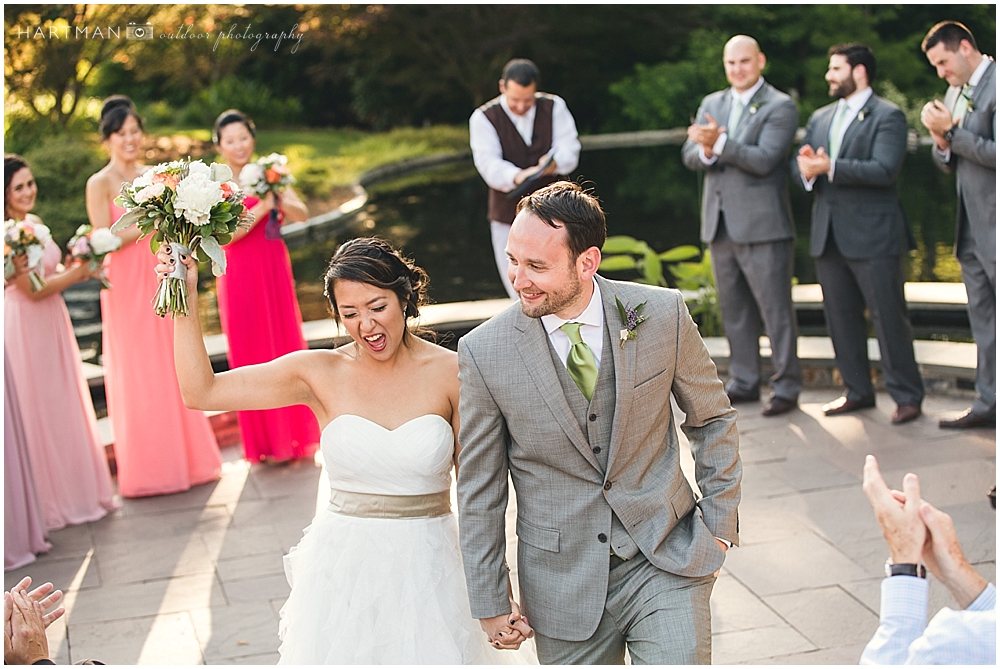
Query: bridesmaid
65, 454
160, 445
257, 305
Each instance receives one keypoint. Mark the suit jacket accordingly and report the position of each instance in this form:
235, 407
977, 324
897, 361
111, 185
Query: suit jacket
515, 418
974, 160
748, 182
860, 208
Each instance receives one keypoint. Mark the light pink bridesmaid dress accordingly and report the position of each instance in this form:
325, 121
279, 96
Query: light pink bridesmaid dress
161, 446
64, 446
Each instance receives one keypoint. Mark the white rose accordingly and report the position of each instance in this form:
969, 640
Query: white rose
104, 241
42, 233
196, 195
143, 180
251, 174
199, 168
34, 253
149, 192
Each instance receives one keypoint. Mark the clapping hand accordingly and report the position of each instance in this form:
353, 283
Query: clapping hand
25, 621
706, 135
937, 119
812, 163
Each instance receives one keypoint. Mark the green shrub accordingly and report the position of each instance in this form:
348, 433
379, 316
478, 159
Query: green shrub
252, 98
61, 165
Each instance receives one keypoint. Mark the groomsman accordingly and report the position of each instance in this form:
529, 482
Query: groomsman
746, 219
964, 132
513, 137
850, 158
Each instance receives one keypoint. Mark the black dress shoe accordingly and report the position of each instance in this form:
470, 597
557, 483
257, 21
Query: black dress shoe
905, 413
777, 406
736, 398
968, 419
844, 405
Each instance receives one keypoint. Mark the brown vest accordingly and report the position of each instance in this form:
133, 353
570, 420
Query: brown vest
515, 151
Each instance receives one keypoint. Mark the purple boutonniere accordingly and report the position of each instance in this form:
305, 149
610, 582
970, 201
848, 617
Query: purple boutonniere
631, 319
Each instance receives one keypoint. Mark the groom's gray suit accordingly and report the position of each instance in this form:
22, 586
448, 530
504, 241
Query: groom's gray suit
594, 477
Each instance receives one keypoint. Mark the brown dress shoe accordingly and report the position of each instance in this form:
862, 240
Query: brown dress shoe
968, 419
844, 405
777, 406
905, 413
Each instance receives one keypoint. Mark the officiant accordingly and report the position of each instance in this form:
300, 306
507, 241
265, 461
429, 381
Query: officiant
521, 141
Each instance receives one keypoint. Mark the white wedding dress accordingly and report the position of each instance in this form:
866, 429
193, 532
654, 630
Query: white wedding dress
370, 590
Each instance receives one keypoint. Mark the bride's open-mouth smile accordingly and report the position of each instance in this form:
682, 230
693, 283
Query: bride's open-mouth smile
376, 342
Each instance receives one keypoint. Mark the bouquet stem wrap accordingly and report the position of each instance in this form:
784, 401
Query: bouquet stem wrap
171, 296
273, 228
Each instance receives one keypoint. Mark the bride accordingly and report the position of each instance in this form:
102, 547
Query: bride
377, 578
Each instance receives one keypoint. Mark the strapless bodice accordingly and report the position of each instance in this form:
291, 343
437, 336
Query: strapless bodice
414, 459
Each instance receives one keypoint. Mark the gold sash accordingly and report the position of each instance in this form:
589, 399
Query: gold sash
364, 505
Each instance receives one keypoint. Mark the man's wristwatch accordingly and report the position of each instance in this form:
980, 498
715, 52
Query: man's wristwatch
949, 133
904, 569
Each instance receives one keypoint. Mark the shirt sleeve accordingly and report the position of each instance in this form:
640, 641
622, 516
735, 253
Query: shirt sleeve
717, 148
487, 154
902, 620
565, 142
943, 156
808, 183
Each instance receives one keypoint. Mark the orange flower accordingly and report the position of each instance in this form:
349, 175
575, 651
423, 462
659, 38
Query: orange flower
272, 176
167, 179
227, 190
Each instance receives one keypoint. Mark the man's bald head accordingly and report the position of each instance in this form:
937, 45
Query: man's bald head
743, 61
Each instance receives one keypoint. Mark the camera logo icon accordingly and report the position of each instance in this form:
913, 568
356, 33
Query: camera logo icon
139, 31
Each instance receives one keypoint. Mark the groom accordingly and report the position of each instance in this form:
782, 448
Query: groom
615, 549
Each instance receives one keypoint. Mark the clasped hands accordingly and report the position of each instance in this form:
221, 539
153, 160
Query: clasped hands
535, 169
509, 631
25, 620
706, 135
916, 531
937, 119
812, 163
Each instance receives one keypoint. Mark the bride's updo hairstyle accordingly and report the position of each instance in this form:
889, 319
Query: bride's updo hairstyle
114, 111
373, 261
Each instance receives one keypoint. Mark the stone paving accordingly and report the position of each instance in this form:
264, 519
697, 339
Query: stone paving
197, 577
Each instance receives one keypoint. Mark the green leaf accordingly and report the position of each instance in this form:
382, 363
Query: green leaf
621, 309
617, 263
680, 253
653, 270
215, 252
623, 244
128, 219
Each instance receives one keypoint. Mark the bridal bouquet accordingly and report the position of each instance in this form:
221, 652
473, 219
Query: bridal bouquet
94, 246
191, 207
269, 174
24, 238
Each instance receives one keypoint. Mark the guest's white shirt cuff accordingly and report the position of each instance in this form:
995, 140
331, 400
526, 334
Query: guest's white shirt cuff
808, 183
943, 156
717, 148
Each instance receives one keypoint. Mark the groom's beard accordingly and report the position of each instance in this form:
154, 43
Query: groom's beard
555, 300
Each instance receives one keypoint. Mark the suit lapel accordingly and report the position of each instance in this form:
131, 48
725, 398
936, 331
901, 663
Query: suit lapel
986, 83
624, 361
533, 346
853, 126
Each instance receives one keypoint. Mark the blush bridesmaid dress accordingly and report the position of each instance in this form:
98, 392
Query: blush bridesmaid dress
161, 446
260, 316
65, 451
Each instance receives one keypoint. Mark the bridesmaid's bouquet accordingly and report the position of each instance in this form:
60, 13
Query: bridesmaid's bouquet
24, 238
94, 246
269, 174
192, 207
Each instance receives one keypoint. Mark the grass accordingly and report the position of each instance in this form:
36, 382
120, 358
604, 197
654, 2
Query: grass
326, 158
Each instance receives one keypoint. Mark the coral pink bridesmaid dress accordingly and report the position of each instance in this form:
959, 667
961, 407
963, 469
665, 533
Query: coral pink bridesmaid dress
260, 316
65, 451
161, 446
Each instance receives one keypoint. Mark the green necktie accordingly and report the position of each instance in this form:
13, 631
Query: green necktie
961, 105
734, 118
835, 135
580, 363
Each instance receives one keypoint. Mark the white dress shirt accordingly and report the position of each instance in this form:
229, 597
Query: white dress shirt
720, 143
855, 103
591, 328
487, 154
952, 637
977, 75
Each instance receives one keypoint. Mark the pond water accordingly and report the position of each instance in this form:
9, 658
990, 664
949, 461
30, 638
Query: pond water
439, 219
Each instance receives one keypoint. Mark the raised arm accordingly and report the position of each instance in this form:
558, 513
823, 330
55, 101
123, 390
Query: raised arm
281, 382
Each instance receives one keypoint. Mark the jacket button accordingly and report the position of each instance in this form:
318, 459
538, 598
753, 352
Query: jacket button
597, 449
607, 486
593, 417
602, 537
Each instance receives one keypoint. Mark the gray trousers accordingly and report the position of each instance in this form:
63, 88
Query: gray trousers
754, 284
848, 287
981, 285
660, 617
